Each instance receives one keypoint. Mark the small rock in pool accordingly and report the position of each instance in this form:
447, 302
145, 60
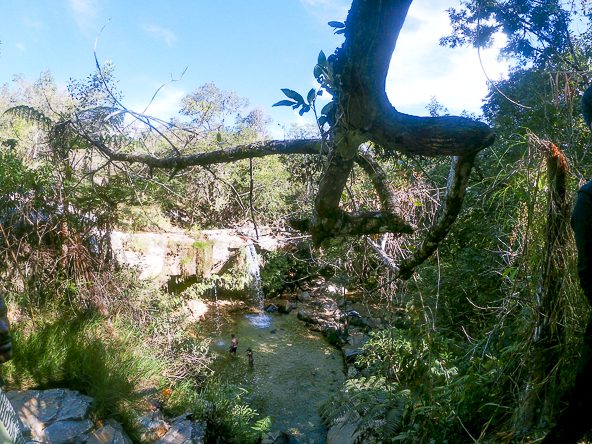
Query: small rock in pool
274, 331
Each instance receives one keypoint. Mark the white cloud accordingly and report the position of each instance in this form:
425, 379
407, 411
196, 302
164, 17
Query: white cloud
164, 34
166, 104
84, 12
421, 68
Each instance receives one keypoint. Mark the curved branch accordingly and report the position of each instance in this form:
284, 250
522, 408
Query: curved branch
377, 176
460, 170
362, 63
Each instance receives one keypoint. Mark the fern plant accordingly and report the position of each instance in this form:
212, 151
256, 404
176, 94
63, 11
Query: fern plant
375, 405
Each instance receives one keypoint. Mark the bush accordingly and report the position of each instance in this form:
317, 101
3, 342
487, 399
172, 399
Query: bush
229, 419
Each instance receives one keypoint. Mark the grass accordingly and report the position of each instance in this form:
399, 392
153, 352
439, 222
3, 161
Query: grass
109, 363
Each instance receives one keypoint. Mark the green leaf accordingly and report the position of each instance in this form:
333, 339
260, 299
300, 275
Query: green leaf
337, 25
322, 59
328, 108
322, 120
284, 103
293, 95
340, 31
317, 71
305, 109
311, 96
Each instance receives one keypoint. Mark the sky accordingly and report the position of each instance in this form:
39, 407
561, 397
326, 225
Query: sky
254, 48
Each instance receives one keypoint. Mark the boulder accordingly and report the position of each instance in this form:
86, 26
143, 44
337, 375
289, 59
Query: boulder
306, 316
184, 431
284, 306
74, 406
304, 296
52, 415
350, 353
65, 432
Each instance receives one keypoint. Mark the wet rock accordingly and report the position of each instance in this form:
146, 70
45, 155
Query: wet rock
110, 433
271, 308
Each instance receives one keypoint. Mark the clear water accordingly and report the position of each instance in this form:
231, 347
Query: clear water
294, 371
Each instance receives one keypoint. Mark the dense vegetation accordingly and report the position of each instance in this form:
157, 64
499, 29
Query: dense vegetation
488, 334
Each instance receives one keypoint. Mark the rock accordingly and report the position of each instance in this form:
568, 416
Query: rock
55, 413
26, 405
65, 432
284, 306
110, 433
277, 437
335, 289
343, 433
152, 426
333, 334
184, 431
74, 406
352, 372
350, 353
195, 310
306, 316
271, 308
355, 319
357, 339
304, 296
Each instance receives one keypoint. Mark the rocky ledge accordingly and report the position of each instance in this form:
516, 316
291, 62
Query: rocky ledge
60, 416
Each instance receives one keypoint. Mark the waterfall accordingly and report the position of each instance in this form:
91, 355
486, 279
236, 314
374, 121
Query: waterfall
253, 268
260, 320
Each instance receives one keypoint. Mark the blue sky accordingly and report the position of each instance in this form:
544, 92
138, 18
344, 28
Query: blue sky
251, 47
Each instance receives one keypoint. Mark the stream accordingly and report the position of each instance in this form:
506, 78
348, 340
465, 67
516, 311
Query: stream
295, 370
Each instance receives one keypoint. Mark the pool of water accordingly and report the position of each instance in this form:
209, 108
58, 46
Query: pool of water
294, 370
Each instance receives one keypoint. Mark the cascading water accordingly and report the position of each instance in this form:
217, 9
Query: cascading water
261, 319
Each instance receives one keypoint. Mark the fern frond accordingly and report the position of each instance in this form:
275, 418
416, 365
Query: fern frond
31, 114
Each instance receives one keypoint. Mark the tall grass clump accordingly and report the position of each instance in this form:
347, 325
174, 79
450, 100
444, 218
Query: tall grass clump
106, 361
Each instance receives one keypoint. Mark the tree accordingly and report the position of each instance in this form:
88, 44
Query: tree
360, 113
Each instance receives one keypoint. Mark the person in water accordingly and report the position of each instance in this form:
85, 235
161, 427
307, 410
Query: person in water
233, 345
250, 358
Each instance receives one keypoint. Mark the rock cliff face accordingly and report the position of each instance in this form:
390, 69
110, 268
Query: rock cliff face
163, 257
